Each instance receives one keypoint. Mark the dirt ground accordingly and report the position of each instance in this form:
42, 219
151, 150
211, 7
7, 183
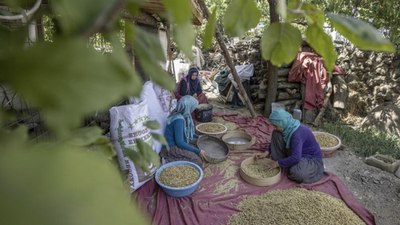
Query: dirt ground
377, 190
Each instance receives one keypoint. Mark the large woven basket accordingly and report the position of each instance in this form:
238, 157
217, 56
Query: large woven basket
216, 150
219, 134
238, 140
258, 181
328, 151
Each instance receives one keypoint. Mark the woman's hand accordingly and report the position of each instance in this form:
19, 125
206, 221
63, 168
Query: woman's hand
279, 129
261, 155
272, 165
203, 156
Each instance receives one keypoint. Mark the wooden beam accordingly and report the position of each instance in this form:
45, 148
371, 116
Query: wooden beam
228, 59
317, 120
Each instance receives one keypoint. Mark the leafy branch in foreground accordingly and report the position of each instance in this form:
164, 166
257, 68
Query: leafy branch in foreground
66, 80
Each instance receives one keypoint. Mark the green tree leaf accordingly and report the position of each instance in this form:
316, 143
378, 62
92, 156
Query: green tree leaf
151, 54
314, 15
180, 13
133, 6
120, 62
360, 33
184, 35
281, 8
135, 157
293, 4
6, 117
322, 44
66, 85
152, 124
160, 138
10, 41
84, 136
280, 43
210, 29
292, 12
180, 17
13, 139
241, 15
148, 153
76, 16
72, 186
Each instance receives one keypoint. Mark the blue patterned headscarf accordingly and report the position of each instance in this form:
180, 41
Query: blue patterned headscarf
284, 120
184, 108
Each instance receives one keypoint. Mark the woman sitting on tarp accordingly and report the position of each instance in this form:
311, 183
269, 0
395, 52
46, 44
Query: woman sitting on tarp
190, 85
293, 146
180, 131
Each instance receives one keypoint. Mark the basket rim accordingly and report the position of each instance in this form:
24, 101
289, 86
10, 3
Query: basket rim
214, 160
240, 132
178, 163
258, 181
204, 132
332, 135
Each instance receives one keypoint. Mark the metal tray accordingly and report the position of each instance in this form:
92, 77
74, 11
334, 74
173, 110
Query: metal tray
216, 150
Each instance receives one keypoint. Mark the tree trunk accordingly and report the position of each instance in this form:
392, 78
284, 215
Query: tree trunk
272, 70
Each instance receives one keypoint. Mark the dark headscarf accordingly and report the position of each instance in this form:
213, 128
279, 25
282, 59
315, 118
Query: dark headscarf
193, 84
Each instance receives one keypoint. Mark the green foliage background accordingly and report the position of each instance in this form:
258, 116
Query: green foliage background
71, 180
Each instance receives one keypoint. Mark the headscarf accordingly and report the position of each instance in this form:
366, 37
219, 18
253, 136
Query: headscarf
284, 120
193, 84
184, 108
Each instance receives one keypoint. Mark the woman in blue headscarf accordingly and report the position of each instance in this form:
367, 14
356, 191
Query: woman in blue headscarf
293, 146
190, 85
180, 131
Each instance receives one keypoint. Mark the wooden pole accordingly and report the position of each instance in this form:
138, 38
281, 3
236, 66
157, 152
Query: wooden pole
225, 52
321, 113
272, 70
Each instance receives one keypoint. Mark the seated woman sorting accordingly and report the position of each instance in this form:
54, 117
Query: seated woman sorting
190, 85
180, 131
293, 146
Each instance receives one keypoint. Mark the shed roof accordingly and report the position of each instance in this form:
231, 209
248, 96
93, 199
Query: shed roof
157, 7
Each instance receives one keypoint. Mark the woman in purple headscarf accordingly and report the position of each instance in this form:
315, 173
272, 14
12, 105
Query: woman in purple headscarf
190, 85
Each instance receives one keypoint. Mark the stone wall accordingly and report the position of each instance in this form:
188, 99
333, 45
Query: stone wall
372, 78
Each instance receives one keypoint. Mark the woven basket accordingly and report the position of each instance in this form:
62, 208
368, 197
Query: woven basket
328, 151
216, 150
238, 140
214, 134
258, 181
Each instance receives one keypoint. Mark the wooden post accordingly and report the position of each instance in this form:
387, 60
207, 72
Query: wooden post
318, 119
171, 68
272, 70
228, 59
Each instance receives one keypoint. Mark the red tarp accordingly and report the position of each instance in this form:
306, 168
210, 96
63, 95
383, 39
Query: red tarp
222, 187
309, 69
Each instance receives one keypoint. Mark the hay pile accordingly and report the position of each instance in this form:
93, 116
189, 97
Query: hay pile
294, 206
